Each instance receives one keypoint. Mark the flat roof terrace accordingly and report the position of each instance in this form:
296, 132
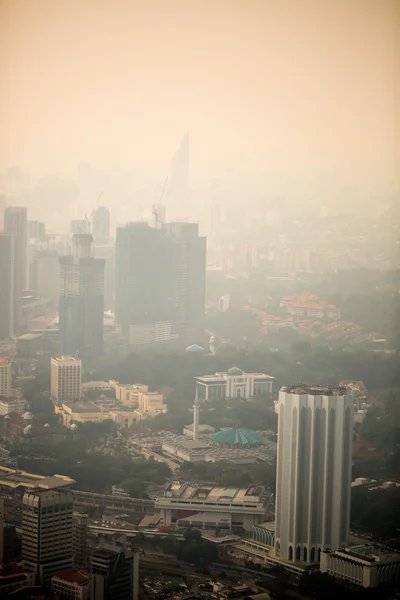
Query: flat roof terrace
212, 495
12, 478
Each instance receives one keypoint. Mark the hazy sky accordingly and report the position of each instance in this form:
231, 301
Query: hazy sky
264, 85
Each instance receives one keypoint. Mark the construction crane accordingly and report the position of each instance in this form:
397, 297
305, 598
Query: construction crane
93, 209
157, 213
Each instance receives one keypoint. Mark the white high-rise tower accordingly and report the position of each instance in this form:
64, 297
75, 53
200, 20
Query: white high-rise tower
196, 417
315, 432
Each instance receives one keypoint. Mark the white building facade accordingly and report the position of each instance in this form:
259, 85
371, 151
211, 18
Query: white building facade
367, 565
12, 404
235, 383
5, 377
312, 509
66, 378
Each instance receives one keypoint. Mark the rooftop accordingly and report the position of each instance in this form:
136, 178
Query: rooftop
4, 362
221, 377
9, 399
316, 390
13, 478
82, 407
236, 437
65, 358
27, 337
371, 553
74, 575
210, 494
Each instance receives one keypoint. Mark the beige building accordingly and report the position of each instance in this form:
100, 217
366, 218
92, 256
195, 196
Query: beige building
123, 418
47, 532
128, 393
80, 412
12, 405
5, 377
66, 378
150, 405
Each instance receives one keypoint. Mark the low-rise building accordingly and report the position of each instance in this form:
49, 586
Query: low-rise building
73, 583
234, 383
128, 393
13, 404
98, 386
79, 412
12, 578
204, 506
368, 565
309, 305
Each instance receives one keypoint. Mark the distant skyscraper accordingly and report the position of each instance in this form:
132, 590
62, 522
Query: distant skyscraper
160, 282
101, 224
312, 509
107, 253
45, 275
179, 188
3, 204
47, 532
36, 230
7, 289
15, 222
81, 304
146, 284
192, 279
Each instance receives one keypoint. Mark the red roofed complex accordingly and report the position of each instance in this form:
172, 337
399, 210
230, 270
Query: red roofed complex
309, 305
74, 583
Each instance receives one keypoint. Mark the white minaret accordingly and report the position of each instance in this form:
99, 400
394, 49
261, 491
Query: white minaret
315, 434
196, 417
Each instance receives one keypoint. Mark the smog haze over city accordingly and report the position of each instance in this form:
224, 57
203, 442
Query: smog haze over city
279, 98
200, 299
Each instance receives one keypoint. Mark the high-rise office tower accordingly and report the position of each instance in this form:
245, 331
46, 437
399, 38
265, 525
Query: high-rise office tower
15, 222
160, 282
312, 509
113, 573
7, 304
66, 378
146, 284
81, 303
47, 532
101, 224
5, 377
36, 230
179, 189
192, 279
107, 253
79, 540
45, 275
3, 204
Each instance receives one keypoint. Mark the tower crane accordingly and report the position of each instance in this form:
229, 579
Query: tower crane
156, 212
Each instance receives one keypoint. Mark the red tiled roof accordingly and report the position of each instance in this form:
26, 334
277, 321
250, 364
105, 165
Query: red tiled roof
74, 575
